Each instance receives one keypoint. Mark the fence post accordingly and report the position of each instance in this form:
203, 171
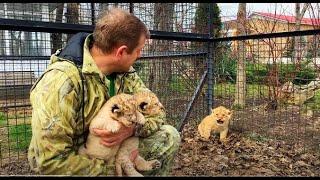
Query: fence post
131, 8
210, 62
92, 14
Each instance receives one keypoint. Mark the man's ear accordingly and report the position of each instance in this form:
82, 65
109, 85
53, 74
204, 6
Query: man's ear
121, 50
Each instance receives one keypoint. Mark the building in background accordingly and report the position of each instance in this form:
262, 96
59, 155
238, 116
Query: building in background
277, 48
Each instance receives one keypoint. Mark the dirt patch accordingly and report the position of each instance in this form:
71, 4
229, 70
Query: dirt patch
15, 167
242, 156
261, 143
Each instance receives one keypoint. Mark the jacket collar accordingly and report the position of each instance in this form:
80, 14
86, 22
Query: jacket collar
89, 66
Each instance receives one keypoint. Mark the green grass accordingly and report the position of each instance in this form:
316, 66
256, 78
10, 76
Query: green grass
20, 136
177, 84
314, 103
229, 89
3, 119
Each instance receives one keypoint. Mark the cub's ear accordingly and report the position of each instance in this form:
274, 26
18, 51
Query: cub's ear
143, 105
115, 108
230, 112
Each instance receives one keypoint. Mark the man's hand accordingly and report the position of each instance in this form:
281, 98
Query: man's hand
110, 139
133, 155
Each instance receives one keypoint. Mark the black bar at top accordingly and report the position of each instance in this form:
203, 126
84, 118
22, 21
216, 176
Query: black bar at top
52, 27
269, 35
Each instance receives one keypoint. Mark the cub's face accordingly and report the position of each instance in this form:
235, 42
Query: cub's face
221, 116
123, 108
148, 103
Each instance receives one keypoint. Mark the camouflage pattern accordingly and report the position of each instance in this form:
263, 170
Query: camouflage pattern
161, 145
57, 126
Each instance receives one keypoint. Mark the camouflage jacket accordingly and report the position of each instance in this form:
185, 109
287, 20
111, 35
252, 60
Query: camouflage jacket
56, 98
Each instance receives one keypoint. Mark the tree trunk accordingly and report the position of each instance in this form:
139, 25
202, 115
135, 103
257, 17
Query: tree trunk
241, 75
297, 39
72, 15
160, 73
56, 38
103, 6
2, 43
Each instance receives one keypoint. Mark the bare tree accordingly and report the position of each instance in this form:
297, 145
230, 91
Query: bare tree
314, 45
2, 43
160, 74
103, 6
272, 51
314, 12
297, 53
56, 38
72, 15
241, 71
275, 49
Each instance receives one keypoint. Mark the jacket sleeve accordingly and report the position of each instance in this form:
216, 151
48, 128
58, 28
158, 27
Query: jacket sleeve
132, 84
54, 101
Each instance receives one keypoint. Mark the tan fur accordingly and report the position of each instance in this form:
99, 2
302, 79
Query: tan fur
152, 105
120, 108
149, 105
211, 123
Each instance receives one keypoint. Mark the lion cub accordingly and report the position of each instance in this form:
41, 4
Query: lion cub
149, 105
118, 109
217, 121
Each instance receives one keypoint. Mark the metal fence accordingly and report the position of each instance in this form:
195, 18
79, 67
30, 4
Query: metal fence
32, 32
279, 86
191, 72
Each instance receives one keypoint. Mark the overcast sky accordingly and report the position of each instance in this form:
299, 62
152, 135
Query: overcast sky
229, 10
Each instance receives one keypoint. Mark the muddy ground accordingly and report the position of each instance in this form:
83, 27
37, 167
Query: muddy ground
242, 156
281, 150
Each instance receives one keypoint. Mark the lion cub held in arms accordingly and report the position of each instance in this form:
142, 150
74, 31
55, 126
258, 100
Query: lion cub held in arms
149, 105
118, 109
217, 121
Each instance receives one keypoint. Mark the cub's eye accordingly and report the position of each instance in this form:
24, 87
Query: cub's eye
143, 105
115, 108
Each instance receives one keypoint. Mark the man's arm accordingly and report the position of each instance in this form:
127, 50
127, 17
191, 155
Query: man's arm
133, 83
54, 102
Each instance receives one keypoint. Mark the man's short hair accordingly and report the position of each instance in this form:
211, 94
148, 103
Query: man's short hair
116, 27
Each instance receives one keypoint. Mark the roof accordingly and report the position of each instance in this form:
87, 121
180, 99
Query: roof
290, 19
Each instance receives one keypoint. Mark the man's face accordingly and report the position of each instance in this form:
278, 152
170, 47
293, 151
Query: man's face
128, 59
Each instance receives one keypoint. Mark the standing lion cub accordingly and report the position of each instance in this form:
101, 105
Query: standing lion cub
217, 121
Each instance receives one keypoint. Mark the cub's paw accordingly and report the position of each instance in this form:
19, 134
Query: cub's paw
155, 164
114, 127
204, 139
224, 141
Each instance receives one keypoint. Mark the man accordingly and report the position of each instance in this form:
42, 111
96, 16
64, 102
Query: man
78, 81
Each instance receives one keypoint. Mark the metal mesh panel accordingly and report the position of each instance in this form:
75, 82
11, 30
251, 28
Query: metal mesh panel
281, 91
24, 58
174, 17
172, 69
